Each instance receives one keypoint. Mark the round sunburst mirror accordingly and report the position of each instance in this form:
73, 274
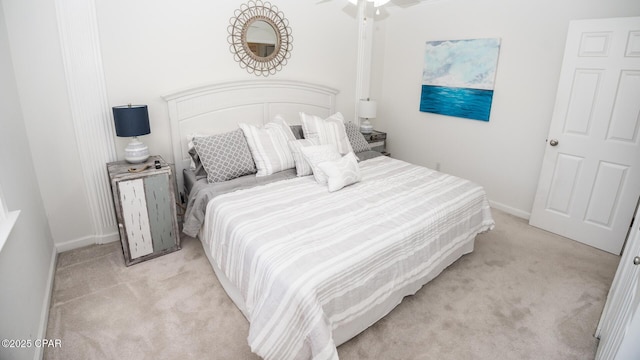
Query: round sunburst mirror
260, 38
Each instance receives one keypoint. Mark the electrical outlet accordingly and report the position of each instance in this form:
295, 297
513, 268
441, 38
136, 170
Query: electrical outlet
437, 166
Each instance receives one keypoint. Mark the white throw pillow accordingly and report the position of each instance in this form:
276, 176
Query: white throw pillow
278, 119
317, 154
328, 131
302, 166
269, 146
341, 172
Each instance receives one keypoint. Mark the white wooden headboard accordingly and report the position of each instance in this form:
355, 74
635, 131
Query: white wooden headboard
218, 108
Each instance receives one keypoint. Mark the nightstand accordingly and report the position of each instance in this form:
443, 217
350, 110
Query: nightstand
145, 206
378, 141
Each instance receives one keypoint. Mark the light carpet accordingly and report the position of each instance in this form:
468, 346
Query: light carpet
522, 294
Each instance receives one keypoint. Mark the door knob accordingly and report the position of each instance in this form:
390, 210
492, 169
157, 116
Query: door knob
553, 142
636, 260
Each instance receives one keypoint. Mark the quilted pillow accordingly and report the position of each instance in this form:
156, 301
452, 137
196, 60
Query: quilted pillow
356, 139
225, 156
269, 146
317, 154
328, 131
341, 172
302, 166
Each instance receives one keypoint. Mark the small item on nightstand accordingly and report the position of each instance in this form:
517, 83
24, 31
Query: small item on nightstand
140, 169
157, 164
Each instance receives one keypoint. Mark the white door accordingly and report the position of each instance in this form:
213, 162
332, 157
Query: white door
590, 179
620, 319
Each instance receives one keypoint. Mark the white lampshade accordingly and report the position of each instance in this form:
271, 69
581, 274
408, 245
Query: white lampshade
367, 109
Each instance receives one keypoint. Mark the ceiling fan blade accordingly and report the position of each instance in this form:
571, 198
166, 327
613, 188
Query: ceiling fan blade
409, 3
405, 3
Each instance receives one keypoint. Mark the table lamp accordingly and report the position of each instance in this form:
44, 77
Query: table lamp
366, 110
133, 121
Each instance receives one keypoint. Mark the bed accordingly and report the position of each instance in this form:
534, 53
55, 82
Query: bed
310, 268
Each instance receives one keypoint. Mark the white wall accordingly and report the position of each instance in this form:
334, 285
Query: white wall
505, 154
155, 48
39, 72
28, 257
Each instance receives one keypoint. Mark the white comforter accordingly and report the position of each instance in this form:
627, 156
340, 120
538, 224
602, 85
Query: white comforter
308, 262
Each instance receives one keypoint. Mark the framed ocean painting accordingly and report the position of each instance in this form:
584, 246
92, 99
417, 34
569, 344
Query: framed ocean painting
458, 77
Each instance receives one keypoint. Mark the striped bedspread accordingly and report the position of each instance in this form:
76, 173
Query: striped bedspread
308, 262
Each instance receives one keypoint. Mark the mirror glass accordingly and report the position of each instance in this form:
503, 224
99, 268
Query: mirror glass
261, 38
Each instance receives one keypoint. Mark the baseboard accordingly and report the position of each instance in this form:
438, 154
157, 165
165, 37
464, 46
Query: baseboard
510, 210
86, 241
46, 304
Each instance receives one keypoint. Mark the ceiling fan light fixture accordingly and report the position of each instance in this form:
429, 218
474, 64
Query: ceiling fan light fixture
376, 3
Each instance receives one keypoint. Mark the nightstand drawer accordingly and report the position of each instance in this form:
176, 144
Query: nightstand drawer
377, 141
378, 146
147, 214
375, 136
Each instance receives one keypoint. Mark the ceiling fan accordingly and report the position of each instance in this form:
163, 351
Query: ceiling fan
378, 4
400, 3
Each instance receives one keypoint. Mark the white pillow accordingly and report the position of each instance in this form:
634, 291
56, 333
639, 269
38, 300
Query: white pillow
302, 166
328, 131
317, 154
341, 172
269, 146
278, 119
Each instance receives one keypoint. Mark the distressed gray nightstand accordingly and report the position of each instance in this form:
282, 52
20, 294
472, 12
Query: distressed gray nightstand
378, 141
145, 209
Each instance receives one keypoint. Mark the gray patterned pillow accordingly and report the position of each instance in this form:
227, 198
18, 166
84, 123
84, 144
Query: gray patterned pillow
225, 156
357, 140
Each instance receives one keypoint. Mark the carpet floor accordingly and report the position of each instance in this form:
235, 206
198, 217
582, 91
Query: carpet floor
522, 294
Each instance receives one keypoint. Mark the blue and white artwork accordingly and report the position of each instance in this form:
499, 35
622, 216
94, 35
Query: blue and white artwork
458, 77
